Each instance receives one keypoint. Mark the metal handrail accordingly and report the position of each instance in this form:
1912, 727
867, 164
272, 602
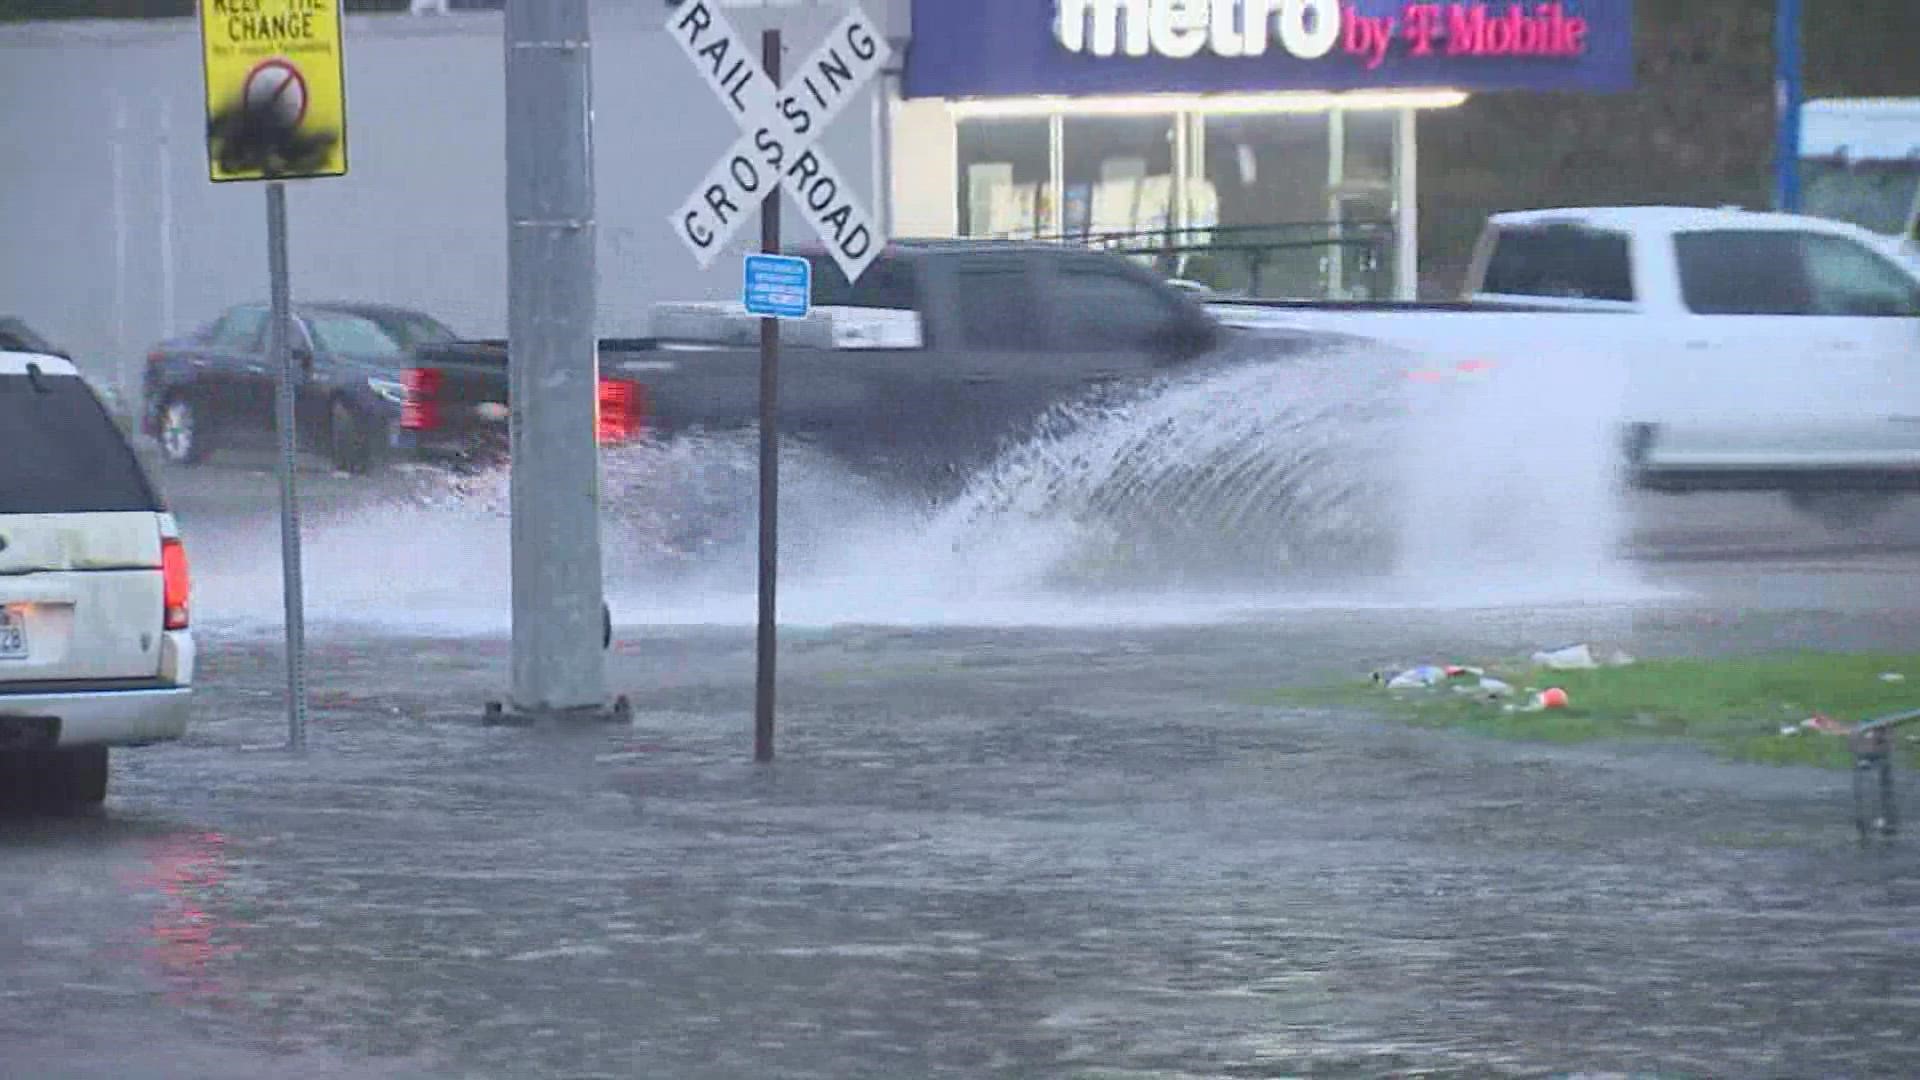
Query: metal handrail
1248, 250
1873, 753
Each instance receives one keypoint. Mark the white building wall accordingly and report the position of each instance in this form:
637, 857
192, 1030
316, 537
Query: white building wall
421, 218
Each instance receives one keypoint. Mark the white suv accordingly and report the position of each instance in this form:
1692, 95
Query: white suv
94, 646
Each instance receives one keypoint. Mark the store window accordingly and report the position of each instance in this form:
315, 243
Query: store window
1366, 158
1266, 177
1118, 174
1362, 207
1276, 204
1004, 177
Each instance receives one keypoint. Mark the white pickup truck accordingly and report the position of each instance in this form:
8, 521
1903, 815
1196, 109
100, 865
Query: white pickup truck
1761, 352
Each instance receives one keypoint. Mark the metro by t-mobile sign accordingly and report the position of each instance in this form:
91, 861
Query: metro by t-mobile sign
1180, 29
779, 126
1310, 29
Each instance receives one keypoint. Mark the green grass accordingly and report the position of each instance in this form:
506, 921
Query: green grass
1734, 707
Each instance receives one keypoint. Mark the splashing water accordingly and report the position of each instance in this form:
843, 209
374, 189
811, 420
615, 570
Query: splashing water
1257, 476
1328, 481
1512, 477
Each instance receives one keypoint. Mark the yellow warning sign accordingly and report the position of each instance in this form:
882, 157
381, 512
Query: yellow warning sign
276, 89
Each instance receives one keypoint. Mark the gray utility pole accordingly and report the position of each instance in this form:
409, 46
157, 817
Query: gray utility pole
559, 661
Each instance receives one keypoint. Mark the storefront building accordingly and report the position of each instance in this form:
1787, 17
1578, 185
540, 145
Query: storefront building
1265, 146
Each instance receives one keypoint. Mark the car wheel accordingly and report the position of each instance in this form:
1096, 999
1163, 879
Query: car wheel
1842, 511
351, 449
54, 780
79, 777
182, 441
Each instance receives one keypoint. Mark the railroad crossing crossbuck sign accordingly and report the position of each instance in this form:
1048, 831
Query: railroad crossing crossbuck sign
779, 126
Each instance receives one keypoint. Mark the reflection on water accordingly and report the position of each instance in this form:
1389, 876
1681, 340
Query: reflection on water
188, 939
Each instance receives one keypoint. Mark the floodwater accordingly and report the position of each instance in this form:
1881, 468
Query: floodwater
1332, 481
982, 853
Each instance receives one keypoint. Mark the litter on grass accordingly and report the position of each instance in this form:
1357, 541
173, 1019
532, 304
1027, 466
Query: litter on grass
1578, 658
1820, 722
1460, 678
1552, 697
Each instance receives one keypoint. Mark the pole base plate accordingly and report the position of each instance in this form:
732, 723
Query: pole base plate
505, 714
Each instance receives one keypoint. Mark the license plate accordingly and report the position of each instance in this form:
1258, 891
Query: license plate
13, 634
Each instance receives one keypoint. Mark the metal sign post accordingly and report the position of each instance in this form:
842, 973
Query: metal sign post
774, 152
280, 354
773, 287
277, 111
765, 640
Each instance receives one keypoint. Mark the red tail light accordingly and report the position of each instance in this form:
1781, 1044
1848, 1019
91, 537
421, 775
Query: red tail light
155, 357
621, 415
177, 582
420, 412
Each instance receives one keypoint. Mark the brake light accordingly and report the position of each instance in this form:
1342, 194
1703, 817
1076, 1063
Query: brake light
155, 357
420, 412
1466, 369
177, 582
620, 413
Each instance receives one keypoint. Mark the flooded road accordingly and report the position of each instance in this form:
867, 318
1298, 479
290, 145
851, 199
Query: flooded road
1072, 852
1028, 819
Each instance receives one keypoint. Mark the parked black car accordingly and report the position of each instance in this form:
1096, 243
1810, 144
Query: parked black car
216, 387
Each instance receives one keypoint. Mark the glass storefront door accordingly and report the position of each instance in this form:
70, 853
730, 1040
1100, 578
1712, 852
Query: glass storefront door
1360, 190
1118, 174
1005, 169
1268, 174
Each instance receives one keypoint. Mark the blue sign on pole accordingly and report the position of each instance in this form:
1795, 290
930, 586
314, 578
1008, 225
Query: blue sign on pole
1787, 92
779, 286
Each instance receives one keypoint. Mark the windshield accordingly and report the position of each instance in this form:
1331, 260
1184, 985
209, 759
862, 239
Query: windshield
351, 335
412, 329
1878, 196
